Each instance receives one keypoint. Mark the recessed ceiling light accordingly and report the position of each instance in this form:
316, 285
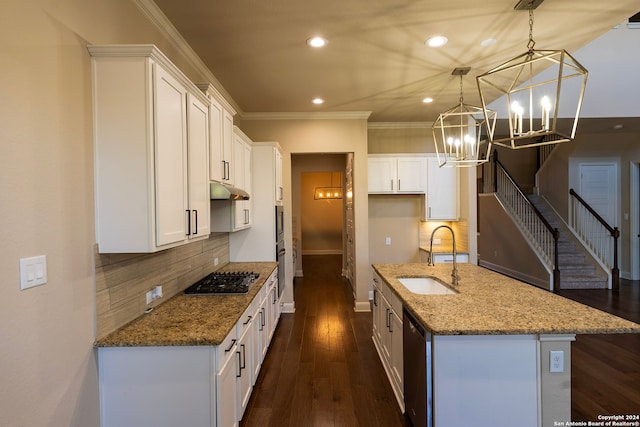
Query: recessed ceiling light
318, 101
427, 100
317, 41
437, 41
488, 42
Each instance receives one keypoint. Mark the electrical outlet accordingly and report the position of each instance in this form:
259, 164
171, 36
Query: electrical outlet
556, 361
437, 241
149, 296
153, 294
215, 261
387, 241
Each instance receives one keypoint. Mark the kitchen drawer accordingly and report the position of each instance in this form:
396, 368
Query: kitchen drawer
226, 349
388, 294
244, 322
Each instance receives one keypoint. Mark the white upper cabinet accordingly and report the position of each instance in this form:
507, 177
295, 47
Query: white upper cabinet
199, 199
397, 174
235, 215
150, 139
441, 201
220, 136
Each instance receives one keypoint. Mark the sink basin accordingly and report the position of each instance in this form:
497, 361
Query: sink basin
425, 286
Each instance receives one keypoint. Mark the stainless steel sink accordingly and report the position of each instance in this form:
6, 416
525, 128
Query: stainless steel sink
425, 286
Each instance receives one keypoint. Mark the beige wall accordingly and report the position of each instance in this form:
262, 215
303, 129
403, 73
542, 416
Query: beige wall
501, 246
396, 218
321, 134
48, 366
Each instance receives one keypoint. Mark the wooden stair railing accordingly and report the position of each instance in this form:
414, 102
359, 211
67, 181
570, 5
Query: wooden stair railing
597, 235
540, 232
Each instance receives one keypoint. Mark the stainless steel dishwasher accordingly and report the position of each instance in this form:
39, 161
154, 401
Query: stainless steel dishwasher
417, 371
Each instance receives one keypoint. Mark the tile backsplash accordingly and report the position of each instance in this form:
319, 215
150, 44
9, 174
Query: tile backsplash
122, 280
460, 228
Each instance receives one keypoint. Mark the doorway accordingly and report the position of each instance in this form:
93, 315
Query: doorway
318, 223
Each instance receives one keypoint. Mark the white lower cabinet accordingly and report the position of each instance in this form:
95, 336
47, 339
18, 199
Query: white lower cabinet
387, 335
196, 386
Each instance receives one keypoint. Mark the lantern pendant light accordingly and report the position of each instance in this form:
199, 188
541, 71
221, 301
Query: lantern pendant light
457, 133
537, 95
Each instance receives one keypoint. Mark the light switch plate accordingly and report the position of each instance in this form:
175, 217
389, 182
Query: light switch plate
33, 271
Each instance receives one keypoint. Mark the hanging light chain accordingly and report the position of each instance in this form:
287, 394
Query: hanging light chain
531, 42
461, 99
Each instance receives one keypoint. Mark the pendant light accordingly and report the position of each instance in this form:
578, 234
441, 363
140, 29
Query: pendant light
329, 193
457, 133
537, 95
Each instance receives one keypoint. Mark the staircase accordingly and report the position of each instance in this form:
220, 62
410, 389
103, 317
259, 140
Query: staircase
577, 271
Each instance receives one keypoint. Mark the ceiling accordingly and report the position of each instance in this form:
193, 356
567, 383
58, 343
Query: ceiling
376, 59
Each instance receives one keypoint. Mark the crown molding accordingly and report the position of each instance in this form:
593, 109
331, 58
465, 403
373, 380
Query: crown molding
339, 115
400, 125
155, 16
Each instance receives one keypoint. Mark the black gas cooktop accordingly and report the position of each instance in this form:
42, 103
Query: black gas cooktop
223, 283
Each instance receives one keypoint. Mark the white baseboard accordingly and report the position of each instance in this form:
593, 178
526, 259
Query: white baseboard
288, 307
362, 306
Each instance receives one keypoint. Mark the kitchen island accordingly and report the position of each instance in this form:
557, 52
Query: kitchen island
490, 344
193, 360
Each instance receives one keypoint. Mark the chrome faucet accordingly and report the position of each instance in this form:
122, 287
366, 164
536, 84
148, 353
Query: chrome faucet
454, 274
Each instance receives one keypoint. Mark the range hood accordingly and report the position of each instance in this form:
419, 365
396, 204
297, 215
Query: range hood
224, 192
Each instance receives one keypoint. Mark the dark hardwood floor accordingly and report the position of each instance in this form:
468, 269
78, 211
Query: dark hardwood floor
323, 370
605, 369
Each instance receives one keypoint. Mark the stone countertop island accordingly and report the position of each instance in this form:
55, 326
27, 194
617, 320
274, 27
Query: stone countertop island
488, 303
498, 350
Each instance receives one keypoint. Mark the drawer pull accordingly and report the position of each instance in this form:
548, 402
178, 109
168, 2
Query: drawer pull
233, 342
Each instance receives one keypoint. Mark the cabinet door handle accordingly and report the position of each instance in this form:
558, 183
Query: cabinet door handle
244, 358
375, 299
387, 318
261, 322
195, 228
263, 316
391, 185
188, 222
239, 366
390, 320
398, 185
248, 320
233, 342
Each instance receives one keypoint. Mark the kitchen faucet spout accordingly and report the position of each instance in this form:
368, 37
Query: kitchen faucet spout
454, 273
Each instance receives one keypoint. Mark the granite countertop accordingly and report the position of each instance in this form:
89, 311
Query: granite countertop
488, 303
186, 320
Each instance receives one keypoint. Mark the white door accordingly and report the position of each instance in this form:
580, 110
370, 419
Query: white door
599, 188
